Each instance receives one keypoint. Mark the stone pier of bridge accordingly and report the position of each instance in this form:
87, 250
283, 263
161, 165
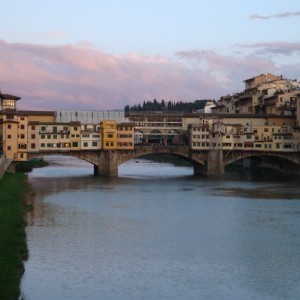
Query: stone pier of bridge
213, 164
106, 162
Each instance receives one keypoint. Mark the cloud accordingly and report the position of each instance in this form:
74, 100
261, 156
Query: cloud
229, 70
285, 48
280, 15
80, 77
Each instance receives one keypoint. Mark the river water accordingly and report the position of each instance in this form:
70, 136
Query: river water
156, 232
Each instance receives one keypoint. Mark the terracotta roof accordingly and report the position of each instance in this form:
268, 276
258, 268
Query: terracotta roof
8, 96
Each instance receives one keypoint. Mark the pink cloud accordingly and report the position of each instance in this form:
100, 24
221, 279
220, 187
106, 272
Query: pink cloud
69, 77
228, 71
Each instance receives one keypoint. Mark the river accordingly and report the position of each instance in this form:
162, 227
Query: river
156, 232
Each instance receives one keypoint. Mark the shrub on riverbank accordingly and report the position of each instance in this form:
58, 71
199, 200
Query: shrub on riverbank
27, 166
13, 247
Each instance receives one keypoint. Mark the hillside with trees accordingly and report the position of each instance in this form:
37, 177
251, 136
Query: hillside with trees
164, 106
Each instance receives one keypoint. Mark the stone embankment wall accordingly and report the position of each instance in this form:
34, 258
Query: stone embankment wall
6, 165
2, 166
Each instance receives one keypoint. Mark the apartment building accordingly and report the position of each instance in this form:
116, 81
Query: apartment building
10, 135
263, 94
249, 133
90, 137
125, 136
75, 133
52, 136
108, 129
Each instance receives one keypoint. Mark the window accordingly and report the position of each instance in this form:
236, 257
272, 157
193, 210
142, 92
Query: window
8, 148
42, 145
55, 136
85, 144
9, 136
75, 128
8, 126
22, 127
33, 136
110, 135
94, 144
22, 136
8, 103
48, 136
42, 136
32, 146
74, 144
32, 127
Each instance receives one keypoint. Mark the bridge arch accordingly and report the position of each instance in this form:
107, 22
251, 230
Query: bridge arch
275, 160
210, 162
91, 158
197, 161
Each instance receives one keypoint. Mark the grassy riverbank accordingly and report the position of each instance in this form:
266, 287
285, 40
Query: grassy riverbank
13, 247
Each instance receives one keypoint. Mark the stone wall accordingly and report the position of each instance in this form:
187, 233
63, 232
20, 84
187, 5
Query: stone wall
2, 166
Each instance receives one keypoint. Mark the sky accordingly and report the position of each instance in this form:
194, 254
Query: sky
105, 54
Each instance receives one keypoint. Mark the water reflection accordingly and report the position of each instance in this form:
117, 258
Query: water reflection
156, 232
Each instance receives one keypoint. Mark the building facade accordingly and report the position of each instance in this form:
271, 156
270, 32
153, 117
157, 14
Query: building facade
264, 117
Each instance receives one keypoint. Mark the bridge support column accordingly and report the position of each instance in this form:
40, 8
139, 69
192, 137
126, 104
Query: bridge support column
215, 163
96, 170
108, 163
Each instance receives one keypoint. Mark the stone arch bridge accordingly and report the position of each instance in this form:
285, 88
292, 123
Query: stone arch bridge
208, 162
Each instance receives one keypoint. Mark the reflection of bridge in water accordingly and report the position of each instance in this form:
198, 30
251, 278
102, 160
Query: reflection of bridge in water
206, 162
